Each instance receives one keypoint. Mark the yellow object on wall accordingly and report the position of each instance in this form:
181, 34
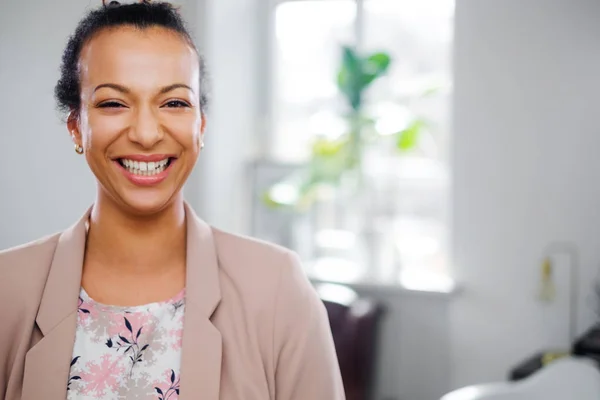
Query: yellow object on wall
547, 291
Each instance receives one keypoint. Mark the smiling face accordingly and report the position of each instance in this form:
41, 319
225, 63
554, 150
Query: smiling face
140, 121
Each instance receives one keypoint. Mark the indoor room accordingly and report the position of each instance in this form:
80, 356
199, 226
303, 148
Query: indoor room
431, 168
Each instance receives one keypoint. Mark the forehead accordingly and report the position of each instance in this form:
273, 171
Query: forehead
138, 58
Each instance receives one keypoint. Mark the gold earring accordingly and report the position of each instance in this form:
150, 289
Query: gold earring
78, 149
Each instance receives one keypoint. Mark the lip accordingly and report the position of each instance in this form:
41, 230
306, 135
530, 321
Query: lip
146, 157
140, 180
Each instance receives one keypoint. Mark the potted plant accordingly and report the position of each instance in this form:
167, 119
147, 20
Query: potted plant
335, 172
331, 159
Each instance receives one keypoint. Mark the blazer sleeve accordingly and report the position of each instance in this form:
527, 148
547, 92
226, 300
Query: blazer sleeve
306, 365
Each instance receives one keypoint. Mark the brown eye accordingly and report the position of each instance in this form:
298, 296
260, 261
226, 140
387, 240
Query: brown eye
176, 104
110, 104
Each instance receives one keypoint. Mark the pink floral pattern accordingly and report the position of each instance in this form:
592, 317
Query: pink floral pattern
168, 387
102, 376
127, 352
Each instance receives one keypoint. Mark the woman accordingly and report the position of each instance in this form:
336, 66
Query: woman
140, 299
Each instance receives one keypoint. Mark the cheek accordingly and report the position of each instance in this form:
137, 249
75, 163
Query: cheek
99, 131
186, 132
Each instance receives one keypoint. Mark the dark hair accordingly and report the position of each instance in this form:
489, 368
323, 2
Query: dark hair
139, 15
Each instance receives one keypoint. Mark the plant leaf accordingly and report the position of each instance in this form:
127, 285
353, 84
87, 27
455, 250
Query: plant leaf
158, 390
432, 91
378, 63
124, 339
375, 66
269, 201
109, 343
139, 332
172, 376
409, 137
349, 77
350, 60
324, 147
128, 325
75, 360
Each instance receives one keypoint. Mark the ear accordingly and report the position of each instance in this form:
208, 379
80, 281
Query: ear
73, 127
202, 126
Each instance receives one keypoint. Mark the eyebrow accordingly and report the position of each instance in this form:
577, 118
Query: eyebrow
123, 89
114, 86
174, 86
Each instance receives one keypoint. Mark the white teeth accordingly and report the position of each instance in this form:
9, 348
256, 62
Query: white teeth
145, 168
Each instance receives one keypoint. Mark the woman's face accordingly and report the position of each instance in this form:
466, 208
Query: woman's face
140, 122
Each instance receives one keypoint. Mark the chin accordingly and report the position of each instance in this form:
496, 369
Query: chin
147, 204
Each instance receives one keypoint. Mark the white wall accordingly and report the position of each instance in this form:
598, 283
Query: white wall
526, 170
229, 40
44, 185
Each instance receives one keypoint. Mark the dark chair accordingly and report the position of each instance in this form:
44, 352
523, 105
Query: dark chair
355, 326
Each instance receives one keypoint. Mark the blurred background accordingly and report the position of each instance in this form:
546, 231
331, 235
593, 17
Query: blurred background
434, 163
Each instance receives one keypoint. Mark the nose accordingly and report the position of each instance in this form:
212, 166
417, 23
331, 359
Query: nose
146, 129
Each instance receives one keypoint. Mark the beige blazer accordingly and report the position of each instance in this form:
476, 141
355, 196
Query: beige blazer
254, 329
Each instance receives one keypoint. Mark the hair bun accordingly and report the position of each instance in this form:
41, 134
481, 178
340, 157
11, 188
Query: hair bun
111, 3
114, 3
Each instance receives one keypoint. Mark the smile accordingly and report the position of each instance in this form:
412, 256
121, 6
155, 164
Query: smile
146, 170
142, 168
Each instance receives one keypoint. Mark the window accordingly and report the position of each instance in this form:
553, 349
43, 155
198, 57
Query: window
308, 35
305, 103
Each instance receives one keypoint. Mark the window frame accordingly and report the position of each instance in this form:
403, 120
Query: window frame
267, 126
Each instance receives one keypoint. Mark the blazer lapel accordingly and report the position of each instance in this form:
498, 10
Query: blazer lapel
47, 363
202, 345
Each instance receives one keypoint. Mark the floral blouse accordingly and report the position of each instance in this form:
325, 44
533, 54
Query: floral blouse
127, 352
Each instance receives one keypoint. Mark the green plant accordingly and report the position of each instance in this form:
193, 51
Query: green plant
332, 158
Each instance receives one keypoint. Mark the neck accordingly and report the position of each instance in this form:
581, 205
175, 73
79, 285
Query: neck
136, 244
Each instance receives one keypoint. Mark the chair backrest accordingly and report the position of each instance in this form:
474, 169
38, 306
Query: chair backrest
355, 329
565, 379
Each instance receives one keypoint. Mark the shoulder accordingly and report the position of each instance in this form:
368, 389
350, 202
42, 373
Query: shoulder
29, 251
270, 277
254, 253
264, 270
25, 264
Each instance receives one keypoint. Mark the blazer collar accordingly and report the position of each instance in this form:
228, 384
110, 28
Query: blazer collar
61, 292
48, 362
201, 350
